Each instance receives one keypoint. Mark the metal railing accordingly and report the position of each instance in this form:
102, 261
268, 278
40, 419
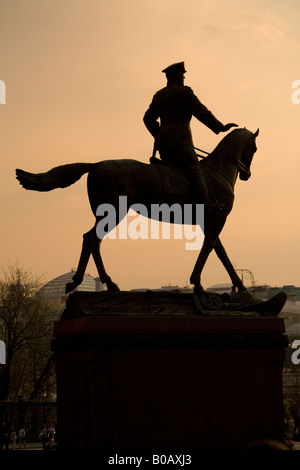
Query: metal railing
31, 415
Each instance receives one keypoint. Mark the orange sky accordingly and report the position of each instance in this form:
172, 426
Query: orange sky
79, 76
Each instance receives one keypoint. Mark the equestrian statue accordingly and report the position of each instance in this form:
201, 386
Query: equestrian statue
176, 177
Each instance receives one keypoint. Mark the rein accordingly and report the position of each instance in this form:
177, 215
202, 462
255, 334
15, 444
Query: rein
241, 166
203, 151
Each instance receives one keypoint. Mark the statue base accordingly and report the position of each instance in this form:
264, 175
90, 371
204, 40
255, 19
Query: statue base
170, 381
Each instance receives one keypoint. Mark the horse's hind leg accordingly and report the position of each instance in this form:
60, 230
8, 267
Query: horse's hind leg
91, 245
104, 277
90, 240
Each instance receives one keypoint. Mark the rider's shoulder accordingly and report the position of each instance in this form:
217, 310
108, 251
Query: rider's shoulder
188, 90
161, 91
174, 90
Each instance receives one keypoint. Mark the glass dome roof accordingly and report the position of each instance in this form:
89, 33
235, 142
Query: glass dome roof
56, 287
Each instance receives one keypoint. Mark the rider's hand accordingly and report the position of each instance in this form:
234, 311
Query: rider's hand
228, 126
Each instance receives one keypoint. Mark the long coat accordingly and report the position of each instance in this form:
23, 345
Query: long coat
174, 106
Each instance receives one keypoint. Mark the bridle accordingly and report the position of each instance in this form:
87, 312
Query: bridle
240, 165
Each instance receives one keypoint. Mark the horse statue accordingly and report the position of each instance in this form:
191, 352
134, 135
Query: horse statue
152, 183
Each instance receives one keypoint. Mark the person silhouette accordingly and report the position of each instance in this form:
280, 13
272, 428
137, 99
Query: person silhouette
175, 105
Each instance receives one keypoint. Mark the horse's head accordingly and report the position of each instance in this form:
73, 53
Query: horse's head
244, 163
233, 155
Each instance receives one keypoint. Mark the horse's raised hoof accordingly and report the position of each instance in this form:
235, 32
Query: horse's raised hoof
112, 287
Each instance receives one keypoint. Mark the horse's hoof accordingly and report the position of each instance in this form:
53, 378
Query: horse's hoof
198, 289
71, 286
112, 287
243, 289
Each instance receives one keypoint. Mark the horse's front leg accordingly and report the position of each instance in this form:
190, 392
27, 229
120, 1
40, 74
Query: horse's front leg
212, 229
208, 246
222, 255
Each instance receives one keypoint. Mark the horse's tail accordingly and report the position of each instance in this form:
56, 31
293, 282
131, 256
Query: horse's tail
59, 177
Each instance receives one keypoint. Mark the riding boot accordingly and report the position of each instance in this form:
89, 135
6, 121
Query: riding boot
202, 194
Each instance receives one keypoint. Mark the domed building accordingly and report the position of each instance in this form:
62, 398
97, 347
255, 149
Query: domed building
55, 289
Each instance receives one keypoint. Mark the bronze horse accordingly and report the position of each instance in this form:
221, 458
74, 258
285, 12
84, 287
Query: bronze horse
143, 183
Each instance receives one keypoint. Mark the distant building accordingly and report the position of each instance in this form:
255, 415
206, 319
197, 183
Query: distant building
259, 291
292, 292
220, 289
169, 288
55, 289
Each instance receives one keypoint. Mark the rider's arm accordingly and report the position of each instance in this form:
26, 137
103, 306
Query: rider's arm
201, 112
151, 120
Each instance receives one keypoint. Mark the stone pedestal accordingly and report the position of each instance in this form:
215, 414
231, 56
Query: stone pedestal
167, 383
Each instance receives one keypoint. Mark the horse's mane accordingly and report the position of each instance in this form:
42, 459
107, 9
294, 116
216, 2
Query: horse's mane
237, 136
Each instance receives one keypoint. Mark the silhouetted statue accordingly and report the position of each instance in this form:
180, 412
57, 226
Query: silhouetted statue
147, 184
175, 105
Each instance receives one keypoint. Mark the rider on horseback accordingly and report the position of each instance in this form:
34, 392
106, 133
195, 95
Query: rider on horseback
175, 105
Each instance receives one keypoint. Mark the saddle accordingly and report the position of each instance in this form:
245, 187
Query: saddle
174, 180
176, 183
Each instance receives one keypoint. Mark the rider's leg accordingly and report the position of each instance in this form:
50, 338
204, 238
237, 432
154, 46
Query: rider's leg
201, 190
196, 176
186, 158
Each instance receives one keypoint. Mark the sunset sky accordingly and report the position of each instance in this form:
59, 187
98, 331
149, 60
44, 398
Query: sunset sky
79, 77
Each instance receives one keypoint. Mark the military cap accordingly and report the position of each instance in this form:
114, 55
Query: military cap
178, 67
